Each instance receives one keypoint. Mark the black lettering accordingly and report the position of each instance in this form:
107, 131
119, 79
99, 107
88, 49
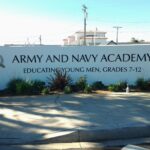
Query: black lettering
148, 56
56, 58
133, 58
109, 57
76, 58
64, 58
141, 58
104, 58
49, 59
23, 59
87, 59
126, 57
118, 58
33, 59
95, 57
15, 59
39, 58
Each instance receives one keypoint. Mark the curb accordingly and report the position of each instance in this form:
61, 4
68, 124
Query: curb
86, 136
98, 135
111, 145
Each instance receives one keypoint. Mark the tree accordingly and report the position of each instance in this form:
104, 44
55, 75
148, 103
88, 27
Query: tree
134, 40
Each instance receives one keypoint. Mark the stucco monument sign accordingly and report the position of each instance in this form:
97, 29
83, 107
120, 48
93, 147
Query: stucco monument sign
108, 64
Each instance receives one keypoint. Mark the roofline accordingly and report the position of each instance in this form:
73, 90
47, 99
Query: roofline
94, 38
71, 36
91, 32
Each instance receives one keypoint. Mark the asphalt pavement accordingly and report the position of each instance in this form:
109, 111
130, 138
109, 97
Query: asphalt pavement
61, 118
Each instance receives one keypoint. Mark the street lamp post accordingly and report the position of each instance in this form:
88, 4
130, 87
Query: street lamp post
84, 8
117, 32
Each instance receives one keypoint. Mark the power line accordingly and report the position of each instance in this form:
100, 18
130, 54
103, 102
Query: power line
131, 31
128, 22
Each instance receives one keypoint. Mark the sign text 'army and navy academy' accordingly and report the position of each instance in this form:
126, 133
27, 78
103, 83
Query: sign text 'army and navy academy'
82, 58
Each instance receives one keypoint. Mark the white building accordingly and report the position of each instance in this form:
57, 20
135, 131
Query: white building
92, 38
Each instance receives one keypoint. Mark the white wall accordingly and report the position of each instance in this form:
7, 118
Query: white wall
101, 41
96, 68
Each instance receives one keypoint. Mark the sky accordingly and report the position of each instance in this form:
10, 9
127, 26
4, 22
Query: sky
23, 21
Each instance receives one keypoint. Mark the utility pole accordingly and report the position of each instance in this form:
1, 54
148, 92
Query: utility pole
40, 39
84, 8
28, 41
95, 35
117, 32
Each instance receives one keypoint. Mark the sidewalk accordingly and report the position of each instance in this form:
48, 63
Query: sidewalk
74, 118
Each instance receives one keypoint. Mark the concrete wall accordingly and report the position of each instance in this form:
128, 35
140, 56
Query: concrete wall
106, 63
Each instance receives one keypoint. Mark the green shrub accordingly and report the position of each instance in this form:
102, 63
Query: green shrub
88, 89
81, 83
119, 87
59, 80
74, 88
11, 86
98, 85
67, 90
4, 92
142, 84
20, 86
45, 91
114, 88
23, 87
37, 86
122, 85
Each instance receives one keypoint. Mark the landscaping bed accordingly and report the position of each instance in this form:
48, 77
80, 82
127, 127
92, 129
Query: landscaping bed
62, 82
